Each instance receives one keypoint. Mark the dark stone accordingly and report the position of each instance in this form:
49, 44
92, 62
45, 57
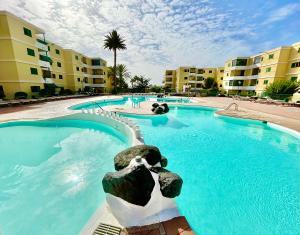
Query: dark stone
148, 152
155, 105
166, 107
170, 183
134, 185
163, 162
159, 110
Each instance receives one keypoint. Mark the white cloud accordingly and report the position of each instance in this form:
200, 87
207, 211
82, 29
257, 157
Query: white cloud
283, 12
159, 34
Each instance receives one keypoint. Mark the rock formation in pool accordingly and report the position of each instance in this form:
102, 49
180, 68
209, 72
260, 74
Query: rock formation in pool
160, 109
141, 189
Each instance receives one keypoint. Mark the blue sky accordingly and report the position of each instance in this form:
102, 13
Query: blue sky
165, 34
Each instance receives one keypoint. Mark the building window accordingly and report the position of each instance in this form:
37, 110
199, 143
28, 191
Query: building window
30, 52
222, 71
220, 85
78, 79
266, 82
57, 51
210, 71
185, 78
34, 71
299, 50
262, 58
53, 75
293, 79
271, 56
60, 76
256, 81
76, 57
221, 78
77, 68
48, 48
295, 65
186, 70
58, 64
27, 32
268, 69
35, 88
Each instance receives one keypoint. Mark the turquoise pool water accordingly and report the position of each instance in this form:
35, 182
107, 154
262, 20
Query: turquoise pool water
240, 176
50, 174
127, 100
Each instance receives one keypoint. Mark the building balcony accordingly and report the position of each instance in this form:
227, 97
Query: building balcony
44, 64
41, 45
195, 81
97, 75
253, 66
94, 85
168, 82
242, 88
49, 80
169, 75
252, 77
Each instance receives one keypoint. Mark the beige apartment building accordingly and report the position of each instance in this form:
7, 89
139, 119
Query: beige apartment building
242, 75
191, 78
30, 63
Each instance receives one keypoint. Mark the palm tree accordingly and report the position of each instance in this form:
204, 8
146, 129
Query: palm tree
113, 41
122, 74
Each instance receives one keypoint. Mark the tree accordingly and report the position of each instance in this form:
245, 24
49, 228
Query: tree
210, 83
156, 89
281, 89
113, 41
122, 74
140, 83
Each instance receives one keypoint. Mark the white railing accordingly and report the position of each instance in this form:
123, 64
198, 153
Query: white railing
44, 64
97, 76
41, 46
48, 80
97, 85
241, 78
253, 66
244, 88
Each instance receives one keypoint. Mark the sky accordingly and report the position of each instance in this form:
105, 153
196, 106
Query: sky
165, 34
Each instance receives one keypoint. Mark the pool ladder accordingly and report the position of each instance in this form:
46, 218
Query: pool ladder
235, 106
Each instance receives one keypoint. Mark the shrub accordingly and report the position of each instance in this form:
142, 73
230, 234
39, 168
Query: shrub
21, 95
66, 92
281, 89
210, 83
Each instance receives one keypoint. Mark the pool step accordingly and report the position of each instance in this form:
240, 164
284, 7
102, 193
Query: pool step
106, 229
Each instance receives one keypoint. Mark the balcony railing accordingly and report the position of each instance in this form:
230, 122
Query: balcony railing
243, 88
41, 46
45, 58
44, 64
252, 77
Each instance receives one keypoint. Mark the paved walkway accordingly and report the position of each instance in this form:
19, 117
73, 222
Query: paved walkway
281, 115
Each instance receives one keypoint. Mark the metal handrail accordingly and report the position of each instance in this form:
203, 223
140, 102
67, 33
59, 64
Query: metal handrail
98, 105
235, 106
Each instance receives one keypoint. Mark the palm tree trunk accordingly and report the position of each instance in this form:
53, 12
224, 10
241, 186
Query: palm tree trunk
115, 68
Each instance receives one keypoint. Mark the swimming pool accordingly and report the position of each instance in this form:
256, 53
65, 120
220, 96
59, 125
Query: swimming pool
50, 174
240, 176
128, 101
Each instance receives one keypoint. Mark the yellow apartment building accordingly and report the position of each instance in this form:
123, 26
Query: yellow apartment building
29, 63
191, 78
251, 75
